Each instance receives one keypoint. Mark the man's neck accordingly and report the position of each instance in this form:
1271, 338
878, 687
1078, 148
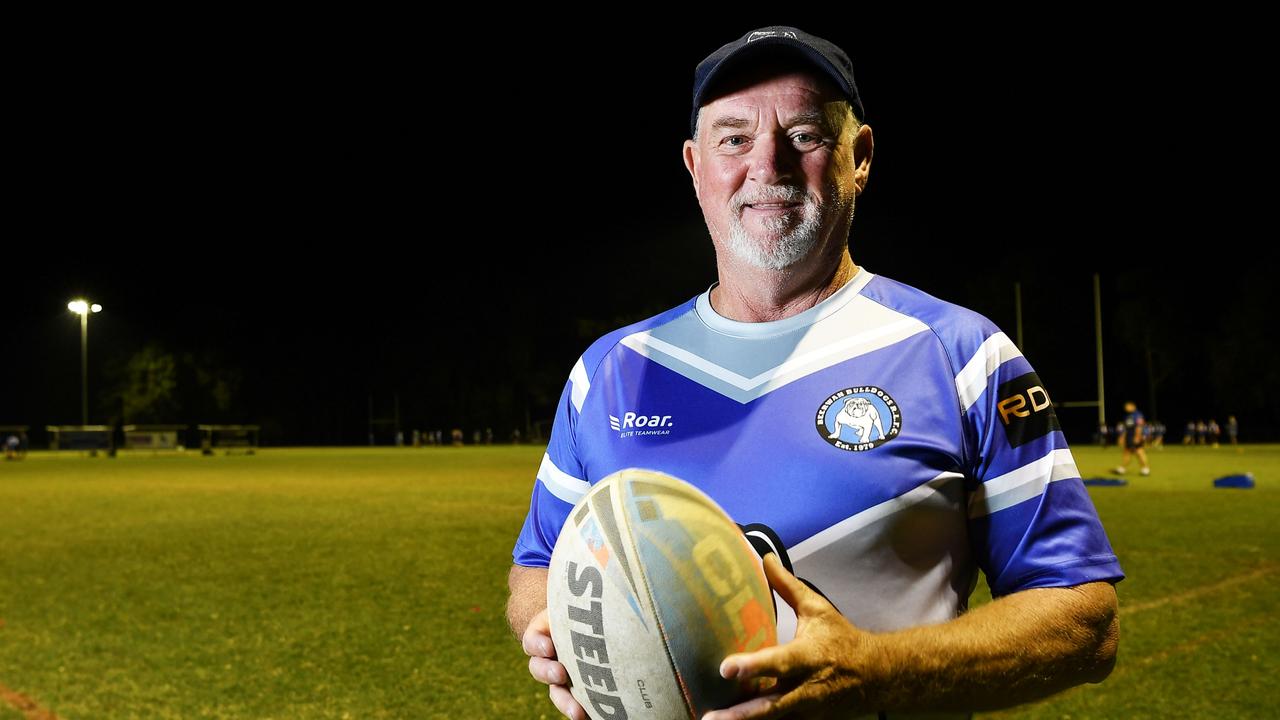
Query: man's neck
753, 295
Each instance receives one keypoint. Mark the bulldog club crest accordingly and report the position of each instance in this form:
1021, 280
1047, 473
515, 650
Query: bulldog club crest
859, 418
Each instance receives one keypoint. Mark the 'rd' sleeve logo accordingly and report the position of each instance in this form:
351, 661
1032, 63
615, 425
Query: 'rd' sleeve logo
1025, 410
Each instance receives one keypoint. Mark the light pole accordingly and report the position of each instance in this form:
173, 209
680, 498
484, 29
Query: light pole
83, 308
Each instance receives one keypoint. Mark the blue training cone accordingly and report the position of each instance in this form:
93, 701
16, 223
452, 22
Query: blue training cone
1244, 482
1105, 482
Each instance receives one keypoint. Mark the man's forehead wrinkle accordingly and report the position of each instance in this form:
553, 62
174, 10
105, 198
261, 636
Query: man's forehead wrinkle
822, 114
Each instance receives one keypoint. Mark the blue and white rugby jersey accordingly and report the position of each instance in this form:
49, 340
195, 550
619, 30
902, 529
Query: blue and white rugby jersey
1131, 422
893, 443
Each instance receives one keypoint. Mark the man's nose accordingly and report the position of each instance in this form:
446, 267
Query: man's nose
772, 160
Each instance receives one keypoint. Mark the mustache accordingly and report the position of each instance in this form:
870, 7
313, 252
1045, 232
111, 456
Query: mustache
769, 193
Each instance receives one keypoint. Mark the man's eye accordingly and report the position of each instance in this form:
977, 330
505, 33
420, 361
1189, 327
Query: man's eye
735, 141
806, 138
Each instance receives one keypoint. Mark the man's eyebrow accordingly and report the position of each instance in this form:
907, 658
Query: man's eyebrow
812, 117
729, 122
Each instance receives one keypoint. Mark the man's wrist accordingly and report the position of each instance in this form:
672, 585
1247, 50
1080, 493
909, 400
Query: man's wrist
869, 677
896, 673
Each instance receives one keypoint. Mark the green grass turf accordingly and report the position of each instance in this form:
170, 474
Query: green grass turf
371, 584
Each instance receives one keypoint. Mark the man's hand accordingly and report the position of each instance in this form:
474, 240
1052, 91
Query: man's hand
544, 667
1018, 648
822, 673
527, 608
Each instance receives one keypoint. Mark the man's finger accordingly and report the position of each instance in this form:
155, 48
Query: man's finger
779, 661
536, 645
564, 702
757, 708
789, 587
785, 701
536, 640
548, 671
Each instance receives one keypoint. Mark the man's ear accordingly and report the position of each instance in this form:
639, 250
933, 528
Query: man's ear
691, 159
863, 149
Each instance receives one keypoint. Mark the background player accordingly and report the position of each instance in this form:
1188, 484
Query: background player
1133, 440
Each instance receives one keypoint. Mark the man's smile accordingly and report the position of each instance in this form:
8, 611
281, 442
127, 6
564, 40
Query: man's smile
772, 207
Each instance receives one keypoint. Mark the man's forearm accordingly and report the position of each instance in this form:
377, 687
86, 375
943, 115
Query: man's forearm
528, 596
1019, 648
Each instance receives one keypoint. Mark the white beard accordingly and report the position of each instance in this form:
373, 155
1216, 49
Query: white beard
793, 243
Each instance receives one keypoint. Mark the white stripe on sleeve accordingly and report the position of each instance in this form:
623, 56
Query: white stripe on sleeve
1026, 482
972, 380
581, 384
560, 483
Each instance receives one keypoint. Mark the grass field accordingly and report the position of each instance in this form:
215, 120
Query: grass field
371, 583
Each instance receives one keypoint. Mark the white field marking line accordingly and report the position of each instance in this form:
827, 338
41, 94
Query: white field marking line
1196, 642
1199, 591
1142, 662
1191, 645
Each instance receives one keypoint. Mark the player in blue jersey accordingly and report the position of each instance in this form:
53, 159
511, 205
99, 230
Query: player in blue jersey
875, 441
1133, 440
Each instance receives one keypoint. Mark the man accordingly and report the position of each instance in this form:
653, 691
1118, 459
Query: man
1133, 440
756, 378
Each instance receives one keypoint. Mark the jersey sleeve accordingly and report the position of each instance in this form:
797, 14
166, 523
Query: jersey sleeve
1031, 521
559, 484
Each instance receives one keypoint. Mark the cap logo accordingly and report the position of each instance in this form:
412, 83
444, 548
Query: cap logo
759, 34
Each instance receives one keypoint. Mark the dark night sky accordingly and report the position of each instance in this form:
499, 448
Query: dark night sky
344, 213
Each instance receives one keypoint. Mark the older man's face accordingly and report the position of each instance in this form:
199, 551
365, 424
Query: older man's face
773, 169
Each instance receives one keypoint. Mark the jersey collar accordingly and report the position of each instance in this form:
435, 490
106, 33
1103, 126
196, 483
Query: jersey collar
830, 305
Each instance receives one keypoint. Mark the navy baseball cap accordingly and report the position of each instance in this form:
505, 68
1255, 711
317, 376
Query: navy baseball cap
822, 54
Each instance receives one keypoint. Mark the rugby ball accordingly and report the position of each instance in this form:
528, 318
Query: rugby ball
651, 585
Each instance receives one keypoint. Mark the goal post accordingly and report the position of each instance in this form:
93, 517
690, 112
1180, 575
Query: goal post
229, 438
155, 437
82, 437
